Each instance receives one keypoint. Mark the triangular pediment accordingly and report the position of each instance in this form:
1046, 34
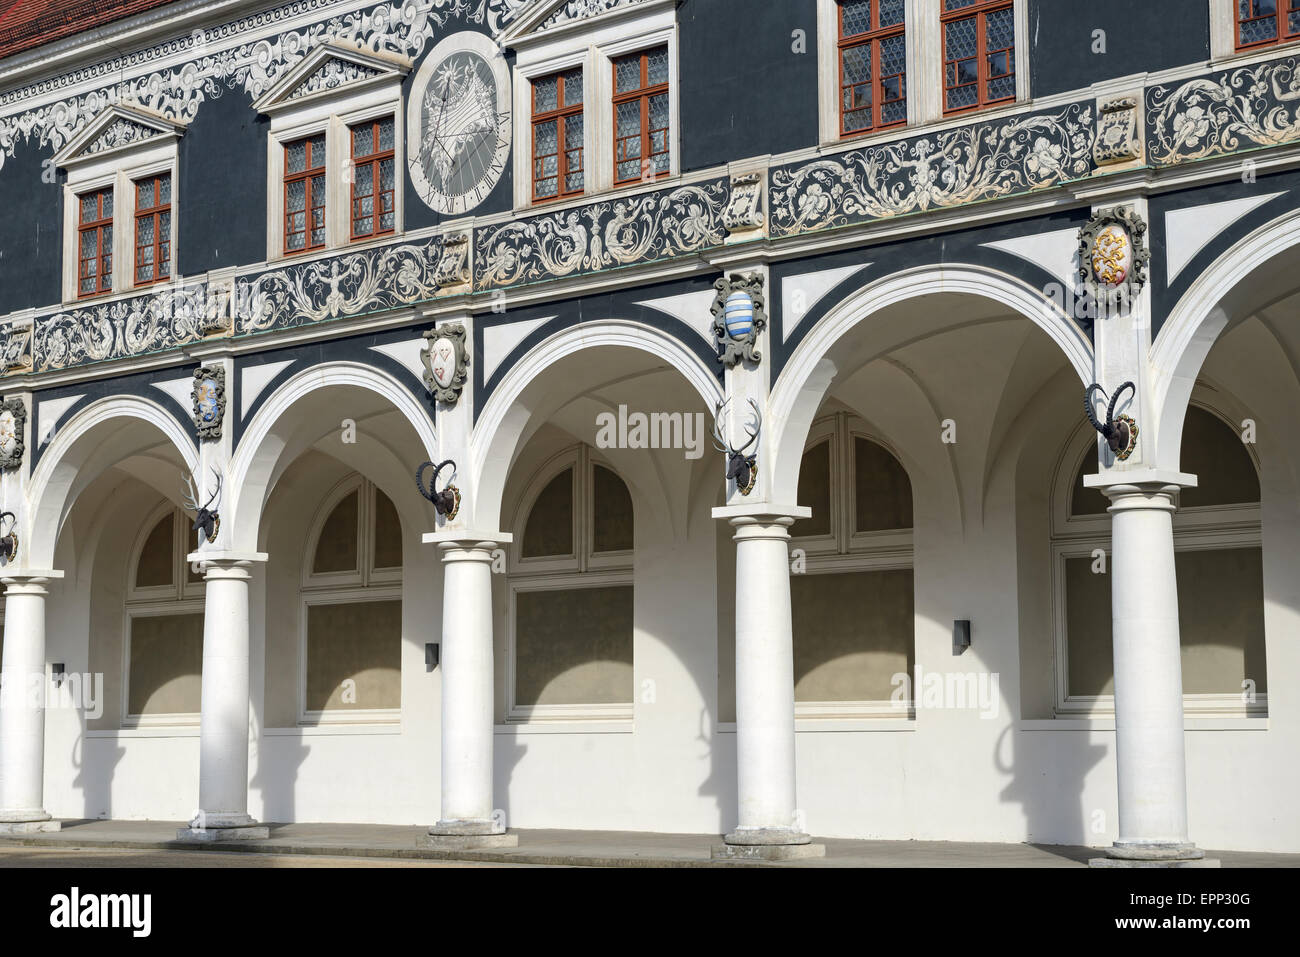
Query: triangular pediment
329, 69
545, 16
118, 128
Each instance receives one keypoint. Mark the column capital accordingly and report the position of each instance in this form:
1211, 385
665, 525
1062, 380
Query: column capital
1152, 485
221, 560
467, 538
761, 513
28, 580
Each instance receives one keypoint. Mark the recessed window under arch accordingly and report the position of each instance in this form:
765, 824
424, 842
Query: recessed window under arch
570, 616
1218, 561
163, 625
851, 591
351, 641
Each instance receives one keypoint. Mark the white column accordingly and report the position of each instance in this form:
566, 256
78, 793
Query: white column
468, 684
22, 707
764, 685
768, 824
1149, 750
223, 724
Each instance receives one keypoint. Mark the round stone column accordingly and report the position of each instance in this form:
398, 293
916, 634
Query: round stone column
1149, 751
765, 731
468, 685
22, 707
223, 724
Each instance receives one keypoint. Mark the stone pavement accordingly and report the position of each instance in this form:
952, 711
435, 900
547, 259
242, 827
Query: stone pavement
575, 848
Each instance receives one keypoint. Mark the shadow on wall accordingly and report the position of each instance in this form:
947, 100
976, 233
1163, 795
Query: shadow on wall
94, 778
1050, 784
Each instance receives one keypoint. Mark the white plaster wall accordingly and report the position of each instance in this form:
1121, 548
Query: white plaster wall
948, 775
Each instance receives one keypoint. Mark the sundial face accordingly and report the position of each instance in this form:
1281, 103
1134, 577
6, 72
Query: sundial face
458, 122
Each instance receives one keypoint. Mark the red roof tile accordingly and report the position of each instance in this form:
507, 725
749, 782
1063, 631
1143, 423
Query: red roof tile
25, 24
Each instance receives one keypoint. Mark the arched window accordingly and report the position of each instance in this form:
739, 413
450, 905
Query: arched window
570, 618
851, 586
1218, 561
164, 625
351, 648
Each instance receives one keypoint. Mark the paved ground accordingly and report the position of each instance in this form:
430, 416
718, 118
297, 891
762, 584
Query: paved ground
104, 857
384, 845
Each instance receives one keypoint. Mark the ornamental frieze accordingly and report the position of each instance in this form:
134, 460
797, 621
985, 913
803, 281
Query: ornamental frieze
375, 279
402, 27
127, 327
620, 232
1231, 110
963, 165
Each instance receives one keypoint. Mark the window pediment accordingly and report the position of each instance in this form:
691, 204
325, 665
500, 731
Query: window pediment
118, 129
547, 15
327, 70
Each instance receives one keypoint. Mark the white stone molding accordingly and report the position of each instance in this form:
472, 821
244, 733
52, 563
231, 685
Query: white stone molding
258, 459
95, 160
501, 426
797, 395
592, 44
67, 465
1193, 325
331, 111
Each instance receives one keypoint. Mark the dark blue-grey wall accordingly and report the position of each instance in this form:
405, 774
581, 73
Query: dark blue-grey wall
1140, 35
221, 213
31, 243
744, 89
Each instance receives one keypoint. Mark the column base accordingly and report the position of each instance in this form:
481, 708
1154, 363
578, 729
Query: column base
466, 842
1153, 855
766, 844
467, 835
766, 852
224, 827
15, 828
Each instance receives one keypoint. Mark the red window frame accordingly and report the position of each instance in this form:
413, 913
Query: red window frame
644, 93
310, 171
980, 11
872, 37
559, 116
161, 243
102, 227
1280, 14
383, 200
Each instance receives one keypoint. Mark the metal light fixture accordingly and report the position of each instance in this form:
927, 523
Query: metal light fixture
960, 635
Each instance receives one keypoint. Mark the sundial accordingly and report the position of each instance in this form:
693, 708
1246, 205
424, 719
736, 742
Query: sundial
458, 123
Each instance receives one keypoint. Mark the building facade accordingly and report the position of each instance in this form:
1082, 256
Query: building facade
744, 343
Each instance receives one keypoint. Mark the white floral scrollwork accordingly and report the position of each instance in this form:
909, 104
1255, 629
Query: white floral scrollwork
1250, 106
402, 27
115, 330
332, 74
964, 165
580, 9
343, 286
120, 133
636, 229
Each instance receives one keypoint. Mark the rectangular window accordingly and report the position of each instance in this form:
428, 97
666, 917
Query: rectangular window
373, 178
557, 136
979, 52
304, 194
354, 657
165, 672
95, 242
641, 116
573, 646
1262, 23
153, 228
873, 65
